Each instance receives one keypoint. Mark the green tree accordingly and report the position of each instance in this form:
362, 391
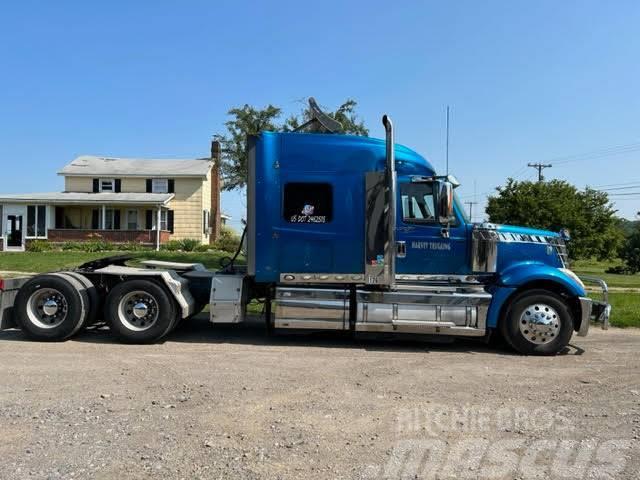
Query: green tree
631, 251
248, 120
588, 214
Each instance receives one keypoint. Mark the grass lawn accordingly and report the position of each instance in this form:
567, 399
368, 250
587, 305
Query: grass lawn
625, 309
50, 261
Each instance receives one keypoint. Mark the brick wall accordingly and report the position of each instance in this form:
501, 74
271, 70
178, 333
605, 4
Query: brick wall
113, 236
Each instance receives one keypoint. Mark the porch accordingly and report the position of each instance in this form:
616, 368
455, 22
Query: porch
63, 217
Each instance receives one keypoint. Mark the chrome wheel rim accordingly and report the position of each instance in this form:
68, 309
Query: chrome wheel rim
539, 323
47, 308
138, 310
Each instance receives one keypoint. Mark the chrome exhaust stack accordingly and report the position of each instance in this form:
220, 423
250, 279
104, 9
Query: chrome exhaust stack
391, 182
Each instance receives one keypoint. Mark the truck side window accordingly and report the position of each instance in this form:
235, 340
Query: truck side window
417, 203
308, 202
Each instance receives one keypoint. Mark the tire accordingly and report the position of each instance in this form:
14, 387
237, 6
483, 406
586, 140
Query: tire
51, 307
153, 319
537, 322
94, 298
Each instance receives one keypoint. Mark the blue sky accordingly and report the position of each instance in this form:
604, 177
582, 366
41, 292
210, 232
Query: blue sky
526, 81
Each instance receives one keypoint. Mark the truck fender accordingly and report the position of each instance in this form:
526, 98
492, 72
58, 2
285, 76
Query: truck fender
527, 272
177, 286
519, 275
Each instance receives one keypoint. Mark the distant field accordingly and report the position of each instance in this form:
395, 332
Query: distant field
597, 269
49, 261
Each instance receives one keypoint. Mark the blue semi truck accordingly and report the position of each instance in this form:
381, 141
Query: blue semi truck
344, 233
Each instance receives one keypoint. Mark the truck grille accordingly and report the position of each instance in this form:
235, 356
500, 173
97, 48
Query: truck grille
561, 250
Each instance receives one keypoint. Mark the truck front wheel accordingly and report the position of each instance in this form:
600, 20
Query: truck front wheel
537, 322
140, 311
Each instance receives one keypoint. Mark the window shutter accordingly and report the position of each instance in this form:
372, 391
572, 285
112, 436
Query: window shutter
149, 186
95, 219
172, 185
59, 217
170, 220
118, 185
149, 219
116, 219
96, 185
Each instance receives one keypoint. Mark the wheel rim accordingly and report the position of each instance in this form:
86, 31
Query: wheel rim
47, 308
540, 323
138, 310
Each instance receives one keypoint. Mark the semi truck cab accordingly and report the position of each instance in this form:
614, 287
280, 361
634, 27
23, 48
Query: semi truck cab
344, 233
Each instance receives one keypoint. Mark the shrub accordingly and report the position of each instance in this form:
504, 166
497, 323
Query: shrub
189, 244
71, 246
132, 247
204, 247
93, 246
38, 246
184, 245
171, 246
228, 240
619, 270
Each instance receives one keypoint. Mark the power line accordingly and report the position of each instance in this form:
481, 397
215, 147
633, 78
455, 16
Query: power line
617, 184
597, 153
540, 167
637, 185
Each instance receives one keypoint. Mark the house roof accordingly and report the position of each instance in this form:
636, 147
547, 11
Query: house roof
103, 198
88, 165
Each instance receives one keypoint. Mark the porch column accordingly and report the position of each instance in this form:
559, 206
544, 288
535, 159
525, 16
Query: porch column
158, 220
103, 224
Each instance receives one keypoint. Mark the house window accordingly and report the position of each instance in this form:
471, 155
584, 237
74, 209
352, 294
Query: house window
107, 185
308, 203
163, 220
160, 185
111, 219
108, 221
36, 221
132, 220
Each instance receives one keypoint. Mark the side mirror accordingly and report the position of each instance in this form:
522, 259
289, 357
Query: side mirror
445, 201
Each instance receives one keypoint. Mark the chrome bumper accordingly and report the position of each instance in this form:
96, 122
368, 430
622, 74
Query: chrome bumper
595, 310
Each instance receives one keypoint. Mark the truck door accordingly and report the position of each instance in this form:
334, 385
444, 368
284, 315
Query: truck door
429, 249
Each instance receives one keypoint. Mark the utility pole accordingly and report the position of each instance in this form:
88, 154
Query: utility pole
471, 204
540, 167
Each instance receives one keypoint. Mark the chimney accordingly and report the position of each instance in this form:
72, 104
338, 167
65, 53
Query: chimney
215, 191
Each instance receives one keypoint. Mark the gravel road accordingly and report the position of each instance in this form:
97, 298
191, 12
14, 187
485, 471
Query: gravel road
229, 402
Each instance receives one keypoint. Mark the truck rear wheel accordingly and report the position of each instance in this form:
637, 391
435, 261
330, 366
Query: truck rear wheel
94, 298
51, 307
537, 322
140, 311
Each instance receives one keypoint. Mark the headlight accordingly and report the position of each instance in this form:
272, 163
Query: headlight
572, 274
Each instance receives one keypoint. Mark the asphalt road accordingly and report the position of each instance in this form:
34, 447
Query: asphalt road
230, 402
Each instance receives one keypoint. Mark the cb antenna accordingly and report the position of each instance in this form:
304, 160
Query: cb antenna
447, 146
